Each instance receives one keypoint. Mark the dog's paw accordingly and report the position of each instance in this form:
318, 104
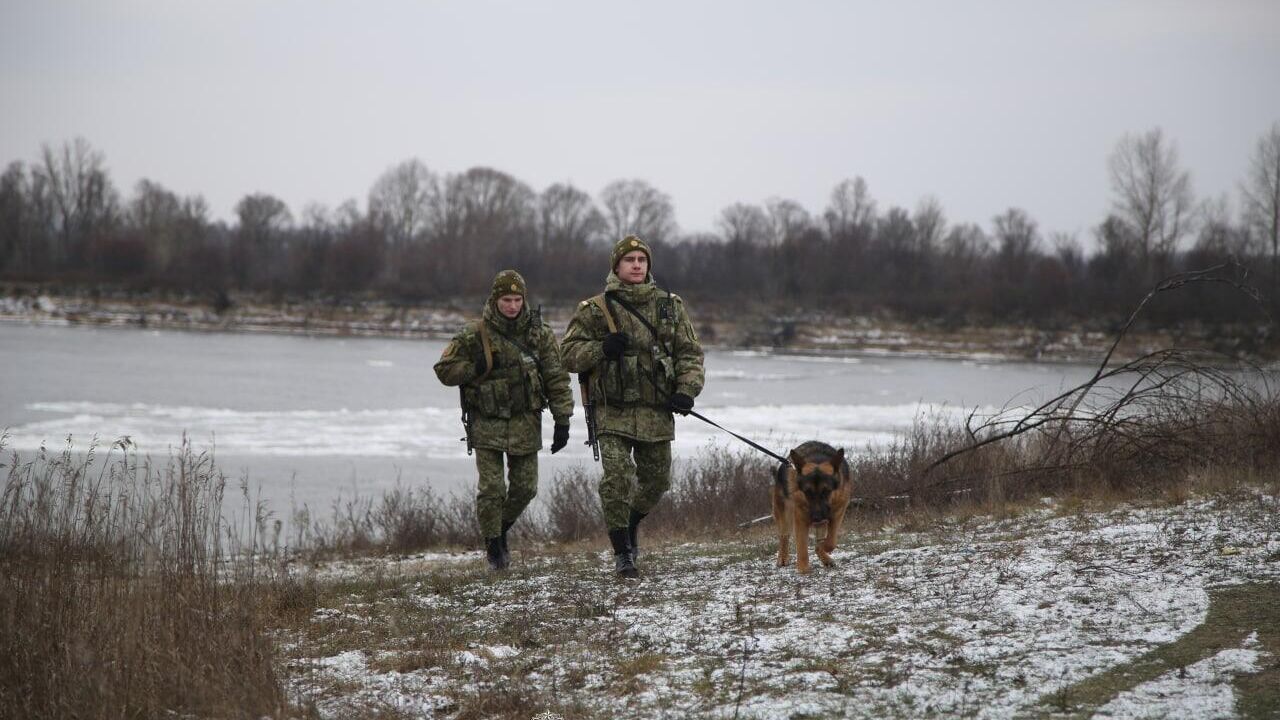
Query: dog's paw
782, 562
827, 560
803, 569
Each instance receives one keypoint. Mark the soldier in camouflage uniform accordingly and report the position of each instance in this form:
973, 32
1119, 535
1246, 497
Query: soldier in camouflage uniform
641, 371
504, 389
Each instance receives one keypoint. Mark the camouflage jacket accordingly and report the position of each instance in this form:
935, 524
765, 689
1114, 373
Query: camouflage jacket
631, 393
506, 405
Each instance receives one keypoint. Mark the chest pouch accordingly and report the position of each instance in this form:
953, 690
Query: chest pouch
495, 398
502, 394
536, 397
622, 380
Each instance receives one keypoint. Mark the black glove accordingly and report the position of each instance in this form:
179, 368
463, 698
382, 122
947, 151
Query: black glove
481, 366
560, 439
680, 403
613, 345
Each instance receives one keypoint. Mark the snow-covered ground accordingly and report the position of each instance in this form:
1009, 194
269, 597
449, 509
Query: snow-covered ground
984, 617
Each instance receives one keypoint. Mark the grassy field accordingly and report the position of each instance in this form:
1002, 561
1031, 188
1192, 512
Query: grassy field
1112, 553
1152, 609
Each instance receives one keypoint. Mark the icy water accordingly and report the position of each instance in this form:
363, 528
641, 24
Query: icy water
306, 419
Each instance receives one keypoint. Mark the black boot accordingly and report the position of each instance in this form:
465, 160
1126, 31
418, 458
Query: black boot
625, 566
632, 526
506, 554
493, 552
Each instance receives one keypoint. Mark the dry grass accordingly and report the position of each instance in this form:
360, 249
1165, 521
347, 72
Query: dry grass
129, 595
116, 595
1161, 443
402, 520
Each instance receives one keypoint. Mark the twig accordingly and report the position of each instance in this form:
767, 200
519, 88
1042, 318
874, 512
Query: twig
747, 643
1158, 374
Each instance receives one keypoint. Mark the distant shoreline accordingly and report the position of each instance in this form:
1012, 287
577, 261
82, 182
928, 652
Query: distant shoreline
804, 333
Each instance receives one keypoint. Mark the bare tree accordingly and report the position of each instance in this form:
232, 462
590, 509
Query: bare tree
261, 214
931, 224
745, 224
1067, 249
1016, 239
568, 224
1262, 199
493, 203
1015, 232
156, 215
1152, 195
401, 201
258, 248
567, 219
81, 193
484, 218
851, 207
964, 245
788, 220
15, 231
896, 235
636, 207
1218, 240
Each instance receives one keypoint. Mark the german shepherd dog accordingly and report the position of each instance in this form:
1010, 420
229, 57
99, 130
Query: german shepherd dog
813, 489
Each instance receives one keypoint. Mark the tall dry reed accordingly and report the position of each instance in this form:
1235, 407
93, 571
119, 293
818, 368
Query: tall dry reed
124, 593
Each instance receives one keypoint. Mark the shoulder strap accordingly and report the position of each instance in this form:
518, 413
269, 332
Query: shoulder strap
488, 350
608, 316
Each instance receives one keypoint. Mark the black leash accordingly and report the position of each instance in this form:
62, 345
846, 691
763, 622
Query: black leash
748, 441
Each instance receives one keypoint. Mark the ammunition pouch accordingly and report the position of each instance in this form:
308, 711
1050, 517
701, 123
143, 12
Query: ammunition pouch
506, 392
638, 378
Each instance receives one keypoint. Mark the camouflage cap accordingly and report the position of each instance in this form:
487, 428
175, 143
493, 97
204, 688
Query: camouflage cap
508, 282
626, 245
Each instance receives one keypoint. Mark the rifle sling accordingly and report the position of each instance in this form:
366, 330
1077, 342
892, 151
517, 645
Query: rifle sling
643, 320
608, 316
488, 351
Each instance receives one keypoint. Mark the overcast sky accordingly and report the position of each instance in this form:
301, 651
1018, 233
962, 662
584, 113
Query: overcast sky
985, 105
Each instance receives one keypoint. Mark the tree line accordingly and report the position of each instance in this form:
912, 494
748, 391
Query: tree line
423, 236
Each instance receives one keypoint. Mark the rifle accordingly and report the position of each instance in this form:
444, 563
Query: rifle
462, 394
466, 420
589, 409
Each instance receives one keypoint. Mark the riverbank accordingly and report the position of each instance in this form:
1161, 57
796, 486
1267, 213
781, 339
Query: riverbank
1152, 609
800, 331
1125, 569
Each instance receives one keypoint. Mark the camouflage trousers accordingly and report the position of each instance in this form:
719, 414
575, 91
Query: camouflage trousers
632, 484
499, 502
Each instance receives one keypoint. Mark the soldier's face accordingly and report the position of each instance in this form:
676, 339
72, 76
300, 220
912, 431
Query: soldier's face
510, 305
633, 267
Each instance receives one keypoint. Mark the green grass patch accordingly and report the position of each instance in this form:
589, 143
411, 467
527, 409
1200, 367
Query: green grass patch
1235, 612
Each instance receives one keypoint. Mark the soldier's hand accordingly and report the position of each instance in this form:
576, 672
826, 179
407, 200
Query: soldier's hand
613, 345
680, 403
481, 366
560, 439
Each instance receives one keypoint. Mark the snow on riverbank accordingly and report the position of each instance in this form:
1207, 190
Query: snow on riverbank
432, 432
982, 618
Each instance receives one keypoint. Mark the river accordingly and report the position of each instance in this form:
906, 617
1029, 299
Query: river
307, 419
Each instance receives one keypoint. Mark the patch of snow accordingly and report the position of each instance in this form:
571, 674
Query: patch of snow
975, 618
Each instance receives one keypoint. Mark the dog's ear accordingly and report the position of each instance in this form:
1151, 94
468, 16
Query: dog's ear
838, 460
797, 460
